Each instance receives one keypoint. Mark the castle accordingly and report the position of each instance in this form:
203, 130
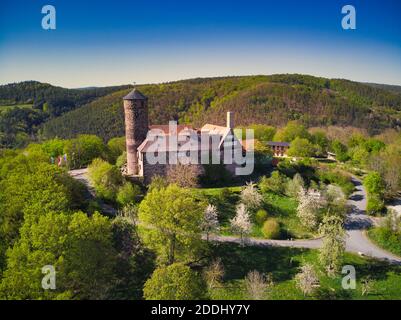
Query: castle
173, 143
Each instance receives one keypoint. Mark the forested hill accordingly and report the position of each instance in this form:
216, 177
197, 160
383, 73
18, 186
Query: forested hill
254, 99
55, 100
25, 106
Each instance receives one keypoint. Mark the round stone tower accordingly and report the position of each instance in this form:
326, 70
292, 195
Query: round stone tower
136, 127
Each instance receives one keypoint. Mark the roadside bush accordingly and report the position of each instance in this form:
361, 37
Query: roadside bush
260, 217
333, 176
374, 183
387, 239
271, 229
375, 204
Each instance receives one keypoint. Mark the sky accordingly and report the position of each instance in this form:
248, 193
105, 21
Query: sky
101, 43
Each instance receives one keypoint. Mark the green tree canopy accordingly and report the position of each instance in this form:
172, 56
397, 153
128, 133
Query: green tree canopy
173, 218
174, 282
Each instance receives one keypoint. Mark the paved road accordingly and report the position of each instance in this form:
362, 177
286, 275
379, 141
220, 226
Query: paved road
356, 223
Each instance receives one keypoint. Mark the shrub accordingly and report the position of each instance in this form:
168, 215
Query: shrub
271, 229
261, 217
174, 282
276, 183
127, 194
375, 204
374, 183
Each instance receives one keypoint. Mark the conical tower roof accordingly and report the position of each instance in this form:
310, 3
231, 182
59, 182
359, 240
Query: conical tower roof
135, 95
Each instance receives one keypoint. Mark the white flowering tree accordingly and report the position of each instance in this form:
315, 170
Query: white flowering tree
210, 221
241, 223
307, 280
333, 248
251, 197
309, 204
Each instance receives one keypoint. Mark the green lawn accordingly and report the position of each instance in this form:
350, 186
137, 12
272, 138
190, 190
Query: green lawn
281, 207
284, 263
285, 210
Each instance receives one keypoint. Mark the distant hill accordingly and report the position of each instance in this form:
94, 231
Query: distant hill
26, 105
58, 100
388, 87
255, 99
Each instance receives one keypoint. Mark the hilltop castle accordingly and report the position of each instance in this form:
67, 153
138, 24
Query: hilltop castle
173, 143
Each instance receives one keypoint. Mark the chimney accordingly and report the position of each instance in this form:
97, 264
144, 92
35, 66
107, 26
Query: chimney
230, 120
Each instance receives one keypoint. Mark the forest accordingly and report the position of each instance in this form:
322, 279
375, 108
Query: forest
25, 106
271, 100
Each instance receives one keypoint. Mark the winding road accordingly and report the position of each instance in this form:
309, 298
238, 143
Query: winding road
357, 222
355, 225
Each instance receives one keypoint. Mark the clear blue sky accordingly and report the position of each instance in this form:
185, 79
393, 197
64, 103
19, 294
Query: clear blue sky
116, 42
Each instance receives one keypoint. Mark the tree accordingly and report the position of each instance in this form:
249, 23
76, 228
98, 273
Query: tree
127, 194
375, 187
340, 150
292, 130
276, 183
214, 274
336, 200
301, 147
105, 178
116, 148
79, 248
174, 282
210, 221
29, 184
307, 280
173, 218
83, 149
295, 185
320, 139
134, 263
309, 204
251, 197
241, 223
185, 176
257, 285
332, 250
374, 183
